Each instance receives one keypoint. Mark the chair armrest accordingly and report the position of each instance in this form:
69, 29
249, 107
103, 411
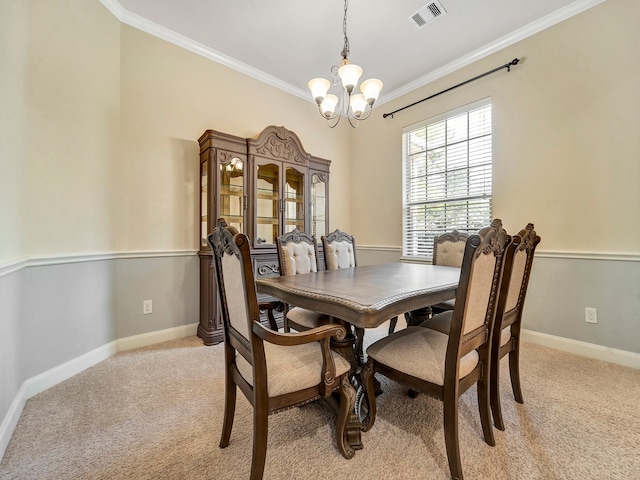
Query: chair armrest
298, 338
270, 307
320, 334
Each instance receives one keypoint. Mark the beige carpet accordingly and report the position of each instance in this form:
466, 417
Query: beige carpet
156, 413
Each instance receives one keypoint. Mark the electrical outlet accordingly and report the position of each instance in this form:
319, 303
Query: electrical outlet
147, 307
590, 315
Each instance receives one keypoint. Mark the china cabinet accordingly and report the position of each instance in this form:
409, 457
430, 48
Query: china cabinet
264, 186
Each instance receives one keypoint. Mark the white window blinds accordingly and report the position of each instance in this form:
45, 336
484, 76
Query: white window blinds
446, 176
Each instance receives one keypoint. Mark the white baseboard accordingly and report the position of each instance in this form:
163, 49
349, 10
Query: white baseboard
151, 338
48, 379
607, 354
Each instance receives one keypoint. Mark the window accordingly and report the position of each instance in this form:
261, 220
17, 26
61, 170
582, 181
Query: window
446, 176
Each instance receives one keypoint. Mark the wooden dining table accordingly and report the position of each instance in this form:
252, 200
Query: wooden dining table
364, 297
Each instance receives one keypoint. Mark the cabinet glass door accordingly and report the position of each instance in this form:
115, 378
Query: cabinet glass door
231, 192
203, 202
318, 205
294, 206
267, 203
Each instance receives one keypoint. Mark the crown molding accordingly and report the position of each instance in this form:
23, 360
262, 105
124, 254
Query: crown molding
180, 40
198, 48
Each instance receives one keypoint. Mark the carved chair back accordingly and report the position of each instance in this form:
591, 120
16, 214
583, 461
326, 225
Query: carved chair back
297, 253
476, 298
448, 248
339, 250
507, 327
234, 271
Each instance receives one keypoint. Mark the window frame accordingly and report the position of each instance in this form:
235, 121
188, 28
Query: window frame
412, 249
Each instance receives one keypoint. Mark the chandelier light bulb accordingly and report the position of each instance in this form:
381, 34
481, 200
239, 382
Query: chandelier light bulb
349, 75
358, 104
371, 89
319, 88
328, 105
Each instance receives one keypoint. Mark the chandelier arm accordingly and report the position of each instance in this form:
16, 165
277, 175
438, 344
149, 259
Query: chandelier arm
336, 114
350, 117
364, 117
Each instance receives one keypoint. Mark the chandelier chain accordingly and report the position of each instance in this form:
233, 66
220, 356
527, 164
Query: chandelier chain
345, 50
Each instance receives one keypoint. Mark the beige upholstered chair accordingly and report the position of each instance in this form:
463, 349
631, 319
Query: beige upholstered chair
339, 250
298, 254
448, 250
506, 332
445, 366
275, 371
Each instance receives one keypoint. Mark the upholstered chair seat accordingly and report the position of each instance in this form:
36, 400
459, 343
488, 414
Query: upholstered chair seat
440, 323
426, 347
290, 369
307, 319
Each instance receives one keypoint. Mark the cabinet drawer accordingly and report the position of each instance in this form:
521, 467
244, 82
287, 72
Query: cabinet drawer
266, 266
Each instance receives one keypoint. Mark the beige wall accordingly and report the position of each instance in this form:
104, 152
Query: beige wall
169, 98
566, 143
101, 136
73, 127
14, 44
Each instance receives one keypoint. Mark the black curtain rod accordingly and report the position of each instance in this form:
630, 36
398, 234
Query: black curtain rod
506, 65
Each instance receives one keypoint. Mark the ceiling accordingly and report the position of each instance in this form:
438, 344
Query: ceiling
287, 42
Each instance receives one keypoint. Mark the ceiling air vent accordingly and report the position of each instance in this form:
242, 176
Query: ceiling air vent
428, 14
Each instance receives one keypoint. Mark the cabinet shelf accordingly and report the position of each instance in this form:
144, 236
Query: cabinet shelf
233, 218
267, 220
234, 190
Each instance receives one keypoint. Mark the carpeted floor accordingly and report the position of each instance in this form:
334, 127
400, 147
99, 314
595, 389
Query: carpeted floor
156, 413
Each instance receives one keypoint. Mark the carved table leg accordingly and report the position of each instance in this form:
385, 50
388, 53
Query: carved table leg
345, 348
354, 427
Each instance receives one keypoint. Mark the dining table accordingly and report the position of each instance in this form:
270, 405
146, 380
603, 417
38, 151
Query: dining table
364, 297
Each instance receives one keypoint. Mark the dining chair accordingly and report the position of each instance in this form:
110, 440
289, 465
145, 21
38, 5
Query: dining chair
448, 250
298, 254
275, 371
507, 327
445, 366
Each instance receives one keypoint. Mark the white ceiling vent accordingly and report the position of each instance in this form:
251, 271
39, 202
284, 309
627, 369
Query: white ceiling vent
427, 14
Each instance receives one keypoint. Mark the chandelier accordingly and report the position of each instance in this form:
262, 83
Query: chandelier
344, 79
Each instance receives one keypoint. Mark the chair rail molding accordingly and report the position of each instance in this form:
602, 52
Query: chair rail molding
563, 254
11, 266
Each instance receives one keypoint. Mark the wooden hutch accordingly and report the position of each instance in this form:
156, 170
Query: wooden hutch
264, 187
